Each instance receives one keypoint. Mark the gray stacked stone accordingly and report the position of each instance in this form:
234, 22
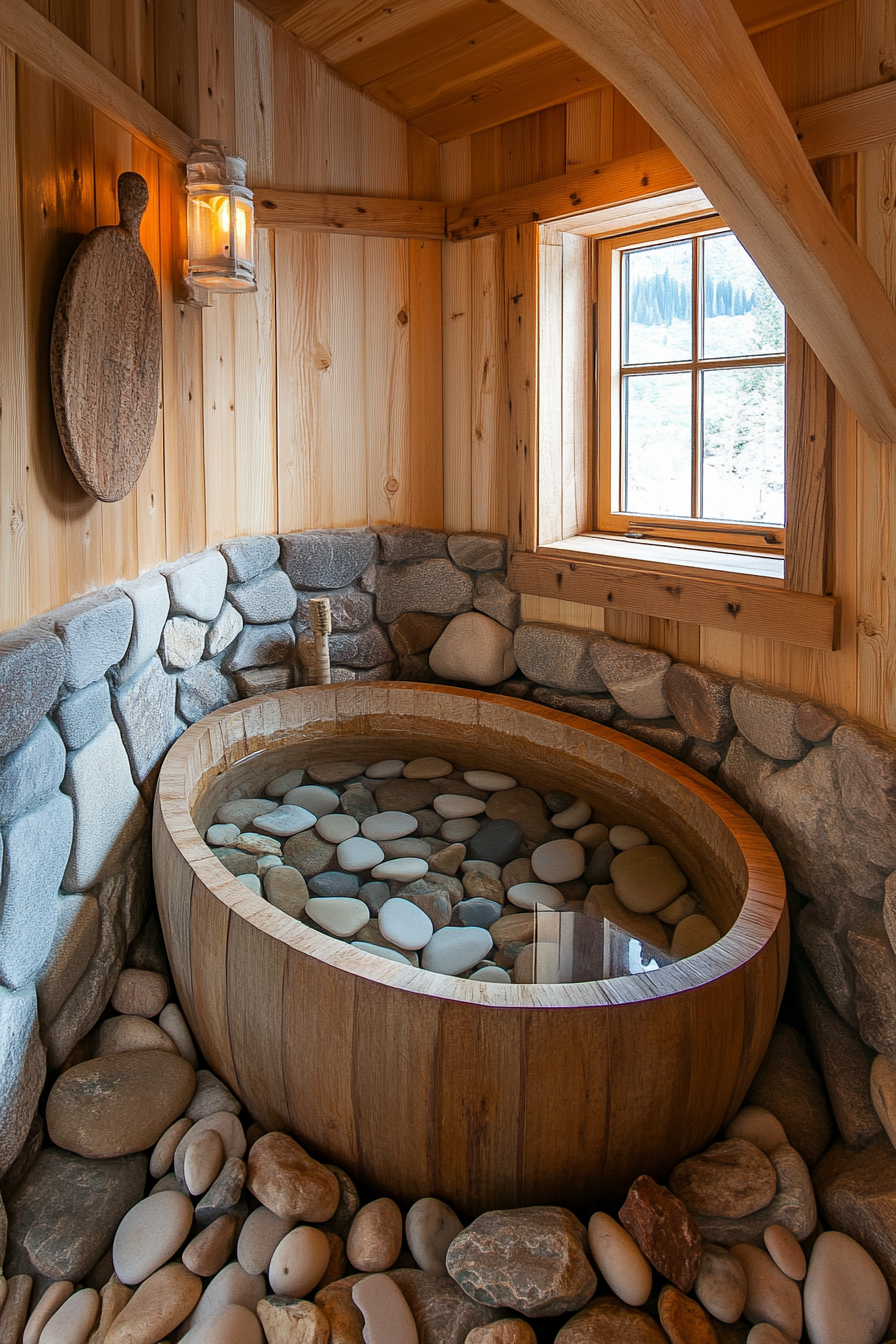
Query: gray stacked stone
223, 631
32, 665
400, 544
108, 809
95, 632
77, 927
144, 709
264, 600
196, 585
557, 657
36, 849
477, 550
349, 609
183, 643
149, 599
83, 714
260, 646
436, 586
633, 676
202, 689
768, 720
32, 772
327, 559
492, 596
247, 557
23, 1069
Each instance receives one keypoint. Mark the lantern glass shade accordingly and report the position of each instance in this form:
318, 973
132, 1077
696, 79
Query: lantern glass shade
220, 225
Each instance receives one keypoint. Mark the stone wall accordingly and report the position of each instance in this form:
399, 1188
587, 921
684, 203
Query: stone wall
93, 694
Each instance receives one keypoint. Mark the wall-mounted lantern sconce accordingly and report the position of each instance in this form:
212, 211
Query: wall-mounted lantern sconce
220, 221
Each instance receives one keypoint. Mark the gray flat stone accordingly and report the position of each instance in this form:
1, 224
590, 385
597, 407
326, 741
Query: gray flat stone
556, 657
264, 600
223, 630
665, 734
149, 598
477, 550
32, 665
108, 808
382, 672
264, 680
81, 715
874, 964
32, 772
260, 646
249, 556
196, 585
768, 720
826, 949
36, 852
700, 701
327, 559
410, 543
363, 648
436, 586
597, 708
64, 1214
493, 596
95, 632
182, 643
634, 676
202, 689
22, 1070
211, 1096
74, 942
144, 709
349, 609
743, 773
866, 772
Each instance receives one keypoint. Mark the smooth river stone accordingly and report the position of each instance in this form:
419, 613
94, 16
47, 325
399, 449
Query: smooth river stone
74, 1320
427, 767
411, 847
158, 1306
606, 1321
333, 884
374, 1239
388, 826
492, 975
252, 882
298, 1262
230, 1324
399, 870
119, 1104
721, 1283
334, 772
262, 846
646, 878
459, 829
285, 821
479, 913
559, 861
357, 855
387, 953
758, 1126
150, 1234
684, 1321
231, 1286
454, 806
619, 1260
845, 1296
314, 797
430, 1227
694, 934
283, 783
489, 780
226, 1124
731, 1179
222, 835
286, 1180
529, 895
592, 835
129, 1032
286, 889
385, 769
203, 1160
574, 816
261, 1234
453, 951
56, 1294
481, 866
241, 812
772, 1296
163, 1153
336, 827
786, 1251
387, 1317
405, 924
628, 837
209, 1252
342, 916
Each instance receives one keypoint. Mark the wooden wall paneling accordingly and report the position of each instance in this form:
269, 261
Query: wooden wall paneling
455, 169
631, 133
589, 128
386, 393
488, 385
425, 344
14, 399
577, 384
177, 63
807, 476
812, 58
549, 525
559, 612
122, 36
521, 308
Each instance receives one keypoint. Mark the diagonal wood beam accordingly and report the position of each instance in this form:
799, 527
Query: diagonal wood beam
689, 67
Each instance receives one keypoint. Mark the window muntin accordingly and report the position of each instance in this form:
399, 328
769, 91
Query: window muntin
690, 364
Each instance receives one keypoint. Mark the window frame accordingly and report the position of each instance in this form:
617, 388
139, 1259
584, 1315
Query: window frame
609, 519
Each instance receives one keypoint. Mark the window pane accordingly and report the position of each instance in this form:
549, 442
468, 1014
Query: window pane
658, 304
743, 445
657, 440
741, 313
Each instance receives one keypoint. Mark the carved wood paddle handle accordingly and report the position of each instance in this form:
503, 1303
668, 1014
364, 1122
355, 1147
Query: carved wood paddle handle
133, 198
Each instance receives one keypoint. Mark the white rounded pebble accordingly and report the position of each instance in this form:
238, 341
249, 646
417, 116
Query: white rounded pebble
481, 866
385, 769
251, 881
628, 837
150, 1234
222, 833
230, 1286
172, 1021
574, 816
283, 783
230, 1324
388, 825
336, 827
298, 1263
227, 1125
261, 1234
286, 820
357, 855
489, 780
493, 975
387, 1316
530, 895
559, 861
74, 1320
342, 916
454, 806
387, 953
163, 1153
462, 828
427, 767
619, 1259
400, 870
315, 797
405, 924
845, 1297
203, 1160
452, 951
268, 861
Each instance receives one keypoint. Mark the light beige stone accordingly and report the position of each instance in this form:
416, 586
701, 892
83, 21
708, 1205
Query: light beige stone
114, 1298
261, 1234
163, 1153
286, 1320
646, 878
768, 1334
158, 1306
299, 1262
172, 1021
374, 1239
758, 1126
721, 1283
74, 1320
558, 861
203, 1160
845, 1294
142, 993
619, 1259
786, 1251
387, 1316
46, 1306
693, 935
771, 1295
431, 1225
603, 903
231, 1286
427, 767
150, 1234
679, 909
286, 889
227, 1126
211, 1096
129, 1032
231, 1324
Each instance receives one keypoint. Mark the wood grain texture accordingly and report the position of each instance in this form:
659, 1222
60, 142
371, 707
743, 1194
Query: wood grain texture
521, 308
809, 429
369, 216
843, 125
412, 1081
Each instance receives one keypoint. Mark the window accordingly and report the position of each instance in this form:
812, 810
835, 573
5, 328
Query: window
690, 355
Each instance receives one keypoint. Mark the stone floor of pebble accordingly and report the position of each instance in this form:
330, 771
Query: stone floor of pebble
456, 871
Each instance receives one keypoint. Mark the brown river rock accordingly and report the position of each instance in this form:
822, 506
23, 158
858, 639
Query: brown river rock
159, 1305
118, 1104
665, 1230
608, 1321
513, 1331
721, 1283
793, 1206
730, 1179
533, 1260
442, 1311
374, 1239
684, 1320
286, 1180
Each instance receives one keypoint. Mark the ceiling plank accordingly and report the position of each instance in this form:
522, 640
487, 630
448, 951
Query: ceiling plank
340, 29
689, 67
757, 16
370, 216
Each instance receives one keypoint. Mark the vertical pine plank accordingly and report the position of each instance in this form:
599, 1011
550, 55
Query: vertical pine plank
425, 344
521, 299
550, 385
457, 319
488, 385
589, 128
386, 392
149, 491
577, 385
808, 468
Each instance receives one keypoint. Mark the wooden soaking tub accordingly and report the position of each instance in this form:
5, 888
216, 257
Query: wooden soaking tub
486, 1095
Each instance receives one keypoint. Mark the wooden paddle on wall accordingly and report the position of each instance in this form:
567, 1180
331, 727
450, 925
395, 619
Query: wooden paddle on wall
104, 352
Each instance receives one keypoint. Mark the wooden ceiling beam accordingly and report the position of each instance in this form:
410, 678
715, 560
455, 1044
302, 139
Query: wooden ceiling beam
690, 69
370, 216
844, 125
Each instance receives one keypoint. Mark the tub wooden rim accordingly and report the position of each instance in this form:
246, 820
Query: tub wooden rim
756, 925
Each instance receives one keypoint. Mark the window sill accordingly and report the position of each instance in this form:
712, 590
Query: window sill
754, 566
747, 604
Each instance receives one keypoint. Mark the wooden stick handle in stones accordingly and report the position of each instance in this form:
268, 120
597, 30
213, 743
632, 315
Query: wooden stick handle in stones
321, 625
